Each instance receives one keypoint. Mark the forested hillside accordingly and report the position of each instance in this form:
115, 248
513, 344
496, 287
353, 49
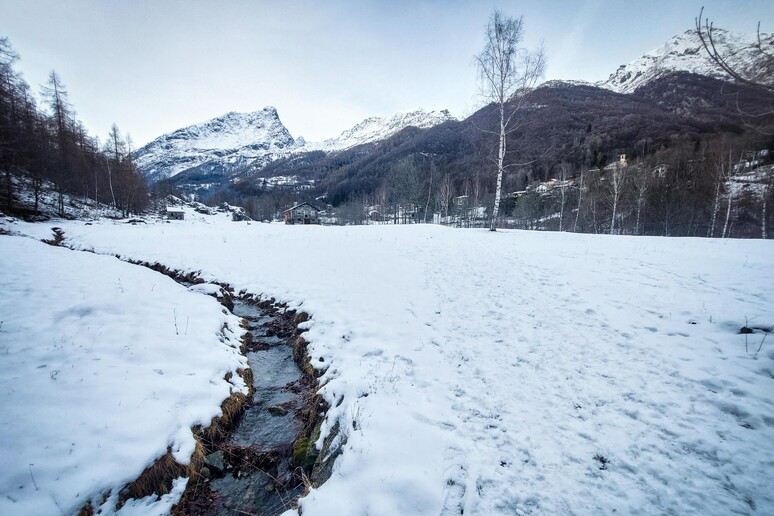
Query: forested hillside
684, 136
45, 148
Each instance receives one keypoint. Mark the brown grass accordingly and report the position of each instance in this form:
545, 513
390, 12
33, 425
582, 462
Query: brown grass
156, 479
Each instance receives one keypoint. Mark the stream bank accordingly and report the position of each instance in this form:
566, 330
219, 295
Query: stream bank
260, 456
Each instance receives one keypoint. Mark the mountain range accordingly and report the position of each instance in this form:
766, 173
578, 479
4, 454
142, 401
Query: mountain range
245, 142
670, 92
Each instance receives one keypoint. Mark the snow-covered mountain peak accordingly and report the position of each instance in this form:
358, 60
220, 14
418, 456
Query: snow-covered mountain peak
685, 52
234, 130
233, 137
239, 142
378, 128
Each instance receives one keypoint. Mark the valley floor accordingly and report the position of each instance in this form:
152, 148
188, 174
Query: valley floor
491, 373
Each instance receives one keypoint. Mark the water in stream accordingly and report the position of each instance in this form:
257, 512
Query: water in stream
257, 476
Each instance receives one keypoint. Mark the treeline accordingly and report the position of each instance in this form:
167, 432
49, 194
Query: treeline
48, 148
719, 186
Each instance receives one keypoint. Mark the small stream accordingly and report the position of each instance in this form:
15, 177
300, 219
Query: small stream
259, 475
252, 471
261, 465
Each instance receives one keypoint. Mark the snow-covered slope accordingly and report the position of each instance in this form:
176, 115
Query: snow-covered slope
685, 52
232, 141
378, 128
96, 380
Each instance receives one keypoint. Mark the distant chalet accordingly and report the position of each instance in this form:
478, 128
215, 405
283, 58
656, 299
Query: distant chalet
175, 213
303, 213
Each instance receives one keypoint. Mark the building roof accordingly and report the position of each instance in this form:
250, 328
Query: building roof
301, 204
174, 209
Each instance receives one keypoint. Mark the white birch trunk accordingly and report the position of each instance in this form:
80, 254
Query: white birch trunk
765, 196
580, 198
727, 179
561, 211
429, 190
500, 161
728, 214
616, 194
715, 208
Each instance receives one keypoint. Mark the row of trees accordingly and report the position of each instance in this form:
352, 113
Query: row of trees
683, 192
48, 148
712, 187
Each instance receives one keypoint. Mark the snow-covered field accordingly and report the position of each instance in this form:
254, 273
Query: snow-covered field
103, 366
490, 373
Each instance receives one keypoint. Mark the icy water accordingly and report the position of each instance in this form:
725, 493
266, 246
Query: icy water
257, 476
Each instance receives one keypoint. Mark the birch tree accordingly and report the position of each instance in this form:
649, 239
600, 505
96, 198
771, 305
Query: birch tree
730, 198
720, 175
580, 201
765, 189
509, 73
641, 184
617, 182
562, 194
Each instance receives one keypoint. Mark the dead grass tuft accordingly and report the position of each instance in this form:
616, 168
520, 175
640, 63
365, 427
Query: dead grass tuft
86, 510
300, 317
221, 426
156, 479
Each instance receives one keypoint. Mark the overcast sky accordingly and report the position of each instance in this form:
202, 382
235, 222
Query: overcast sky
153, 66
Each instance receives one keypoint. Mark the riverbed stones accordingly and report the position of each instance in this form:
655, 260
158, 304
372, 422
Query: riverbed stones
277, 410
215, 461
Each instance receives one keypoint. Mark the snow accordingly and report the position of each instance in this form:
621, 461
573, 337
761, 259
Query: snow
48, 201
105, 366
234, 138
511, 372
379, 128
242, 141
685, 52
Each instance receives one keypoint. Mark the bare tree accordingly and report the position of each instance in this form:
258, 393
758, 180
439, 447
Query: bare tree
445, 194
730, 198
429, 190
114, 146
720, 176
562, 194
617, 183
56, 97
765, 189
641, 185
761, 75
405, 190
580, 201
758, 74
509, 73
